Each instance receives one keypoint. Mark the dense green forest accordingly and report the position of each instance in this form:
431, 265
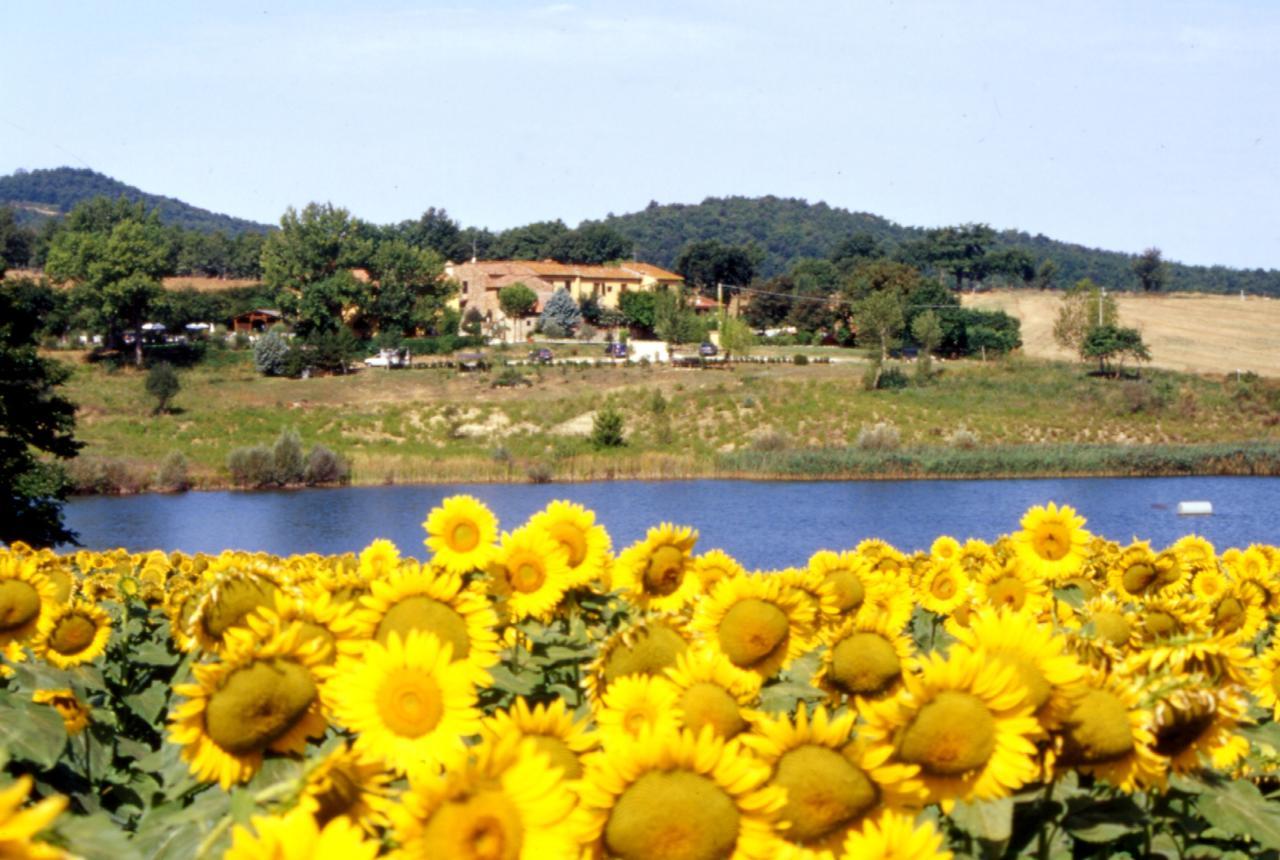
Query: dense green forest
37, 195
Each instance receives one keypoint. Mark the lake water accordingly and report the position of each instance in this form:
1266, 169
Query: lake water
763, 524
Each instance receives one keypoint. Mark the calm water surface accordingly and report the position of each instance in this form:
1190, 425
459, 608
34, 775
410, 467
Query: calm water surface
761, 523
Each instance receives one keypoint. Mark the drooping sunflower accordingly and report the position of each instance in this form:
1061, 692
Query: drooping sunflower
379, 559
296, 835
74, 633
965, 720
1161, 618
887, 602
715, 565
461, 534
1258, 582
259, 697
411, 704
586, 542
714, 692
27, 599
419, 597
1195, 553
756, 623
19, 827
1052, 541
1054, 678
882, 557
896, 836
343, 784
59, 573
74, 713
680, 796
814, 588
530, 573
1196, 722
1135, 573
636, 703
1109, 735
657, 573
235, 586
1238, 613
551, 728
334, 624
847, 572
865, 658
647, 646
502, 800
831, 782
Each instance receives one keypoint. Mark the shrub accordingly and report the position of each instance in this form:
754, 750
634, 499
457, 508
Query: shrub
173, 473
770, 440
800, 359
963, 438
286, 458
251, 467
606, 429
270, 354
325, 467
538, 473
101, 476
162, 384
881, 436
509, 377
893, 378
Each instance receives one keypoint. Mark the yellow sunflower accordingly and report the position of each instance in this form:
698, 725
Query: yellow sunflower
1052, 542
502, 800
342, 784
1196, 722
1012, 585
865, 658
814, 588
832, 784
74, 633
1265, 671
379, 559
235, 587
297, 836
847, 572
714, 692
430, 601
530, 573
410, 704
18, 826
944, 587
1052, 675
261, 696
635, 703
657, 573
334, 624
1161, 618
461, 534
757, 623
881, 556
966, 720
1108, 735
895, 836
715, 565
27, 600
74, 713
1135, 572
887, 603
586, 542
1195, 553
551, 728
679, 796
1237, 614
647, 646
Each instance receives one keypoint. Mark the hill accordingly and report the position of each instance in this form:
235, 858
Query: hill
37, 195
786, 230
1196, 333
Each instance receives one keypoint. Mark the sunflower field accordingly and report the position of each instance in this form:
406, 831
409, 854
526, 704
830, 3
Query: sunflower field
533, 694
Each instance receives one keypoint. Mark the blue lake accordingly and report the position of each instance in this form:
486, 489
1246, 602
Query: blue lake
762, 523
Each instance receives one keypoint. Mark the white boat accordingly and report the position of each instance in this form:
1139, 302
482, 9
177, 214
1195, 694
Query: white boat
1195, 509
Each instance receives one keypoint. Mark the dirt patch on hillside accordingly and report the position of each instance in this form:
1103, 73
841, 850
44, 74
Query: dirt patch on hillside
1198, 333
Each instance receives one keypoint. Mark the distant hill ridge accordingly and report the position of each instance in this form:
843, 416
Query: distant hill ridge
36, 195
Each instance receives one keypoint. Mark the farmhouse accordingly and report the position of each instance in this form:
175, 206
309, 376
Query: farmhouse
481, 280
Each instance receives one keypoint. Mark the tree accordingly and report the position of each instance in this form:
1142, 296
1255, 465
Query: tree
1047, 275
927, 331
530, 242
736, 337
708, 263
1083, 307
770, 304
270, 354
163, 384
591, 244
879, 317
560, 316
34, 419
853, 250
114, 255
517, 300
408, 287
1109, 343
638, 309
1151, 270
311, 256
960, 251
674, 321
607, 429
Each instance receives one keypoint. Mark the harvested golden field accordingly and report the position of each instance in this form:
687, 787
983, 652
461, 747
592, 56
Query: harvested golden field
206, 285
1184, 331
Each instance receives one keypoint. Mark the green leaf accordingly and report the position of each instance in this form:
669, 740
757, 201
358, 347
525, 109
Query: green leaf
1104, 821
154, 654
783, 698
990, 820
32, 733
150, 703
94, 837
505, 679
1238, 807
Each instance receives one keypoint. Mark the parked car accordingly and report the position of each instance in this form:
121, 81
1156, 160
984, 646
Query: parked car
707, 350
541, 356
389, 358
615, 350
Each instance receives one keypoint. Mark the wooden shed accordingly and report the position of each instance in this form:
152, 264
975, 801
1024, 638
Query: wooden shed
258, 320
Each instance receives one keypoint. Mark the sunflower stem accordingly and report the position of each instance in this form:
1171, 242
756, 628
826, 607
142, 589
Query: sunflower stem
88, 757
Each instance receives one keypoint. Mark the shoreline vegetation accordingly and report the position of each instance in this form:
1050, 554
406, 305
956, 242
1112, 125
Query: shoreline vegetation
1013, 418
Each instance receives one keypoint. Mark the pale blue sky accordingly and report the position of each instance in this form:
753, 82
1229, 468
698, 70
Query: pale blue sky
1113, 124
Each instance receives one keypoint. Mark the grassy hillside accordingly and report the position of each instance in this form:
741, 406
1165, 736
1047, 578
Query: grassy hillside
41, 194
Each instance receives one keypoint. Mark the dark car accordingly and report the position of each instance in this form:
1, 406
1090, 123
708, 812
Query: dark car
542, 356
615, 350
707, 350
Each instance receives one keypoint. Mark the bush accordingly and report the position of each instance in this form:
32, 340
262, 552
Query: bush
286, 458
270, 354
509, 377
325, 467
251, 467
606, 429
881, 436
162, 384
963, 439
93, 476
800, 359
769, 440
893, 378
173, 475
